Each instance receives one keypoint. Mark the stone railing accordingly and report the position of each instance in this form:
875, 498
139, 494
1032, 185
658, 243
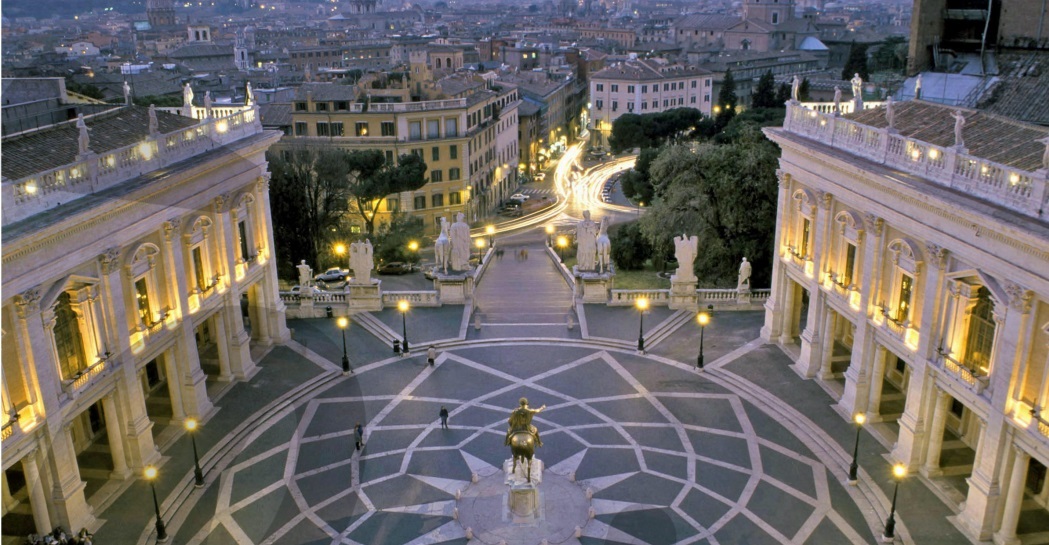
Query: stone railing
93, 172
9, 430
84, 379
963, 373
427, 105
1018, 190
844, 107
425, 298
716, 297
626, 298
200, 112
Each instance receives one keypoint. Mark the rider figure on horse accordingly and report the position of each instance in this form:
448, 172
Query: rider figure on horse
521, 421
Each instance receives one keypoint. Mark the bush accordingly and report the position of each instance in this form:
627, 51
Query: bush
629, 247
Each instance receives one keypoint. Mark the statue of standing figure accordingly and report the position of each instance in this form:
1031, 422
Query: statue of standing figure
586, 243
305, 273
154, 125
604, 247
187, 95
959, 122
249, 96
207, 104
83, 140
361, 261
918, 87
795, 86
857, 86
837, 99
890, 114
744, 275
443, 248
685, 250
460, 234
127, 94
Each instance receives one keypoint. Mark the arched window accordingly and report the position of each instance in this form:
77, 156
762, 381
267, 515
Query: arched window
981, 333
68, 340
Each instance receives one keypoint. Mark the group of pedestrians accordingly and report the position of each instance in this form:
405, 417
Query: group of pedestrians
58, 536
522, 255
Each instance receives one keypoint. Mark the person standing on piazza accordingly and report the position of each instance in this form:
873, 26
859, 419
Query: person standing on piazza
358, 431
431, 355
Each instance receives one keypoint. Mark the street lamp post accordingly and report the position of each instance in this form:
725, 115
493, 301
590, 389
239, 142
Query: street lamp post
703, 318
899, 471
479, 242
151, 474
413, 247
549, 235
344, 322
859, 419
198, 475
561, 243
641, 305
402, 306
490, 231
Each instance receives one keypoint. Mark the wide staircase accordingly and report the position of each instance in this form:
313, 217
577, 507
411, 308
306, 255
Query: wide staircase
523, 297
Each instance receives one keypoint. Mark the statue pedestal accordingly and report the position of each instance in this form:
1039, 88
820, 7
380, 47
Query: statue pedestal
519, 478
683, 294
595, 287
364, 296
455, 287
743, 296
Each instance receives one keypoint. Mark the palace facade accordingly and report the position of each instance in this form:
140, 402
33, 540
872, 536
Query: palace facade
912, 281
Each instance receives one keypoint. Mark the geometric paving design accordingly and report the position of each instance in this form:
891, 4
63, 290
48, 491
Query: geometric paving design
669, 456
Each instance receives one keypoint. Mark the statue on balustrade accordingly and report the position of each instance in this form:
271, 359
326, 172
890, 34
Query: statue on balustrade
685, 250
361, 261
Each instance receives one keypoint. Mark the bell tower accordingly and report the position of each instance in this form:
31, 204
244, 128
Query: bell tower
771, 11
161, 13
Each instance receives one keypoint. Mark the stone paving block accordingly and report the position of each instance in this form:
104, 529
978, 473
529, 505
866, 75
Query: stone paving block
642, 488
630, 410
304, 533
603, 436
394, 528
402, 490
771, 430
742, 531
219, 536
622, 322
317, 454
572, 415
334, 417
602, 462
664, 378
204, 504
767, 503
716, 412
703, 508
257, 475
379, 466
827, 532
513, 360
725, 481
475, 417
650, 525
667, 464
660, 436
424, 324
557, 446
490, 449
454, 380
510, 398
267, 514
325, 484
592, 379
795, 473
342, 513
727, 331
411, 412
448, 464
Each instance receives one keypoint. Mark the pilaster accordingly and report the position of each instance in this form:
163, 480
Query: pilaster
276, 313
931, 468
115, 435
773, 326
1006, 535
67, 494
191, 376
37, 496
908, 448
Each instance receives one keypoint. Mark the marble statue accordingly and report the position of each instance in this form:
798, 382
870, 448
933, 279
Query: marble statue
83, 140
586, 243
918, 86
744, 275
837, 99
443, 248
857, 86
207, 104
890, 114
305, 273
522, 437
685, 249
154, 125
604, 247
249, 95
127, 94
187, 95
361, 261
461, 243
959, 122
795, 86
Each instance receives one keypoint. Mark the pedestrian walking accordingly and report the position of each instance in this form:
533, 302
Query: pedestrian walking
431, 355
358, 431
444, 417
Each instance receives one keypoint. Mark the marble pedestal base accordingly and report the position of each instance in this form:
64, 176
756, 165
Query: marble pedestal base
455, 287
364, 296
683, 294
595, 287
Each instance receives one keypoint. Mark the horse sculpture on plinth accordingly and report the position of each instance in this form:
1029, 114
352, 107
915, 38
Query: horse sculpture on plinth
443, 248
522, 437
604, 248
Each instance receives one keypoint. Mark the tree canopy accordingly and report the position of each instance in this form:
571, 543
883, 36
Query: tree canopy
727, 101
652, 130
765, 93
856, 63
370, 178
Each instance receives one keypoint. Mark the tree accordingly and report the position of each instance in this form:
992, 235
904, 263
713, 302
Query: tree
309, 196
391, 242
727, 100
636, 182
629, 247
370, 179
891, 54
650, 130
161, 101
803, 90
765, 93
628, 132
857, 62
532, 8
725, 194
782, 95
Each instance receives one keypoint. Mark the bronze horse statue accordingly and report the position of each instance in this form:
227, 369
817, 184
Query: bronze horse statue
522, 446
522, 436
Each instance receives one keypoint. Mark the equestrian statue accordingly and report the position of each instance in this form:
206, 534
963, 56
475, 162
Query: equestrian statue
522, 437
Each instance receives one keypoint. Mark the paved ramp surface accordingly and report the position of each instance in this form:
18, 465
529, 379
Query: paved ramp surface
520, 297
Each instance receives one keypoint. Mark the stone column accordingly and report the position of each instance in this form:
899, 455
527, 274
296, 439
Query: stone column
907, 449
939, 422
222, 343
67, 494
981, 503
171, 372
773, 327
276, 319
1013, 499
260, 323
241, 364
877, 379
116, 438
826, 370
931, 302
789, 305
39, 367
9, 502
191, 376
816, 338
37, 497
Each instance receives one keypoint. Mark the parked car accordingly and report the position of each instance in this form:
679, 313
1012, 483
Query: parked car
394, 267
332, 275
519, 197
540, 176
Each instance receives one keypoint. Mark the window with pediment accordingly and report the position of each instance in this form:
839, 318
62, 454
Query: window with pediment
69, 341
77, 327
198, 243
906, 262
971, 316
142, 272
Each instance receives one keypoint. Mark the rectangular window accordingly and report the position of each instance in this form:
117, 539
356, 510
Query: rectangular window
242, 230
615, 105
433, 128
342, 105
322, 129
455, 198
451, 128
415, 130
903, 300
644, 89
630, 89
692, 100
437, 200
453, 174
420, 202
693, 84
615, 88
361, 129
435, 153
600, 104
393, 205
198, 268
706, 98
301, 128
600, 87
300, 107
665, 103
629, 106
453, 151
418, 152
666, 86
336, 128
145, 316
321, 106
806, 230
436, 176
850, 264
644, 105
388, 128
706, 83
389, 157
